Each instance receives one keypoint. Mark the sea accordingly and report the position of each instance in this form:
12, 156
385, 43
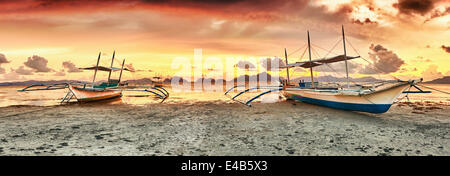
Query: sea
10, 96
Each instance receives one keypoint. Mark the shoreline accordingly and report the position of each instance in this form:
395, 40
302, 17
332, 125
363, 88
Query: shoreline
283, 128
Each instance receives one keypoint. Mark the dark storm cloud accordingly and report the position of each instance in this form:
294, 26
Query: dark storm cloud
446, 48
39, 64
261, 10
421, 7
233, 9
384, 61
257, 14
248, 5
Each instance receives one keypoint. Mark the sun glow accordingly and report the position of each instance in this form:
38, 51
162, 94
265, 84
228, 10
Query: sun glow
332, 5
363, 12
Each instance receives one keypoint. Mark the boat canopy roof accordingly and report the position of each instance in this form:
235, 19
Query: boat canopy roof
102, 68
318, 62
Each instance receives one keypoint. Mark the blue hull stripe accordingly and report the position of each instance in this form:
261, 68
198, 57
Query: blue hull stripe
372, 108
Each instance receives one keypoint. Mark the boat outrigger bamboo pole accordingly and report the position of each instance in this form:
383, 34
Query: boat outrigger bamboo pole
287, 68
121, 70
310, 63
96, 68
345, 56
112, 62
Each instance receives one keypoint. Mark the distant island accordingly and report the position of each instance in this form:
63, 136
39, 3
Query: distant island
30, 82
444, 80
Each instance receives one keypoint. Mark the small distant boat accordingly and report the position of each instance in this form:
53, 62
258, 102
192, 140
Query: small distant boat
372, 97
84, 92
157, 81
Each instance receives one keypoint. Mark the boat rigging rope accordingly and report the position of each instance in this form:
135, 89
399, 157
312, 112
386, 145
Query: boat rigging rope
296, 50
317, 55
433, 89
315, 52
291, 72
329, 51
333, 71
304, 52
407, 97
339, 74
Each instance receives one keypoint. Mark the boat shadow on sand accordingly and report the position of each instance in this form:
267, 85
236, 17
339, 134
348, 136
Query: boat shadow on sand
345, 113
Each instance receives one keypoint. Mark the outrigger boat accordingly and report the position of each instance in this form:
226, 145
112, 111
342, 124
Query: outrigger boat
374, 97
85, 92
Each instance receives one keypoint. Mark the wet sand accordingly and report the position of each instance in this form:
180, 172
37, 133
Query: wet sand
220, 128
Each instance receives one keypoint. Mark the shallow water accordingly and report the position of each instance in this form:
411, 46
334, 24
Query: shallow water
9, 96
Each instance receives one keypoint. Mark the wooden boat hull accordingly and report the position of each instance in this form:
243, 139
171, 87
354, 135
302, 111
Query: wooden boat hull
376, 102
84, 95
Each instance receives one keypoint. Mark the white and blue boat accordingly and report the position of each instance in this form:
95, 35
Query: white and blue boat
357, 99
113, 88
372, 97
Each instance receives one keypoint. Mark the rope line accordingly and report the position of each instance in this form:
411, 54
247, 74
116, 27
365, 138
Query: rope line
330, 51
304, 52
315, 52
296, 50
434, 89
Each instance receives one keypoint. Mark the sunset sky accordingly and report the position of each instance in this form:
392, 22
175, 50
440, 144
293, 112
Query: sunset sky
48, 40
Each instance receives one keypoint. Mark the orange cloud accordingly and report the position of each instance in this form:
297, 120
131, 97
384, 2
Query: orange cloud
446, 48
71, 67
3, 60
385, 61
150, 33
37, 63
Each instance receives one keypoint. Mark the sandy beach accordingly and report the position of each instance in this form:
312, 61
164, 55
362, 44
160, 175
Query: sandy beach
223, 128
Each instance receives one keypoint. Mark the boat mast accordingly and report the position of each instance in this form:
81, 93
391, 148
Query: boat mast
112, 62
96, 68
287, 68
310, 63
345, 56
121, 70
